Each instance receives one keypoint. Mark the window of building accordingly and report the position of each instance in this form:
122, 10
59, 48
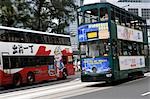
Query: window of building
146, 13
134, 11
130, 1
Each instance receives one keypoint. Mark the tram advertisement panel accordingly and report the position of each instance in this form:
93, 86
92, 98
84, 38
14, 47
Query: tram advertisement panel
94, 31
129, 34
131, 62
95, 65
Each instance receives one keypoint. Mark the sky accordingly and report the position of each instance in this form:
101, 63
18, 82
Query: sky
94, 1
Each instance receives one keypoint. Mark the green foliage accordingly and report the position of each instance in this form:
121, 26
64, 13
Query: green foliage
37, 14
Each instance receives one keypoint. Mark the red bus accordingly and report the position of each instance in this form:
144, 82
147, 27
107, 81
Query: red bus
28, 56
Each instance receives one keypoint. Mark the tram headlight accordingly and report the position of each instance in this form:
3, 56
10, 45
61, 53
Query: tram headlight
108, 75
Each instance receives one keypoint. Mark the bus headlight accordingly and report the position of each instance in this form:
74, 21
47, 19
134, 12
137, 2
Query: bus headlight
108, 75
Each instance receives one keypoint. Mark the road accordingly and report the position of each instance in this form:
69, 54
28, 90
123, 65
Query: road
137, 89
75, 89
42, 84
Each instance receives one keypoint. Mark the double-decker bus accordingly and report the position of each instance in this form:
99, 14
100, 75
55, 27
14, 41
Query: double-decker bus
28, 56
113, 43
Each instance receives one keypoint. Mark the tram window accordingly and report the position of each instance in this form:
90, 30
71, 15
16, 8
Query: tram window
125, 48
91, 15
80, 18
84, 49
114, 48
94, 15
112, 15
87, 18
94, 49
119, 48
103, 14
117, 18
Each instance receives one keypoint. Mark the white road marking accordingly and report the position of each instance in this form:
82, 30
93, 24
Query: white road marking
72, 93
147, 74
48, 90
145, 94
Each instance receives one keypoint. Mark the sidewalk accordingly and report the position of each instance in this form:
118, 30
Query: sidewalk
77, 75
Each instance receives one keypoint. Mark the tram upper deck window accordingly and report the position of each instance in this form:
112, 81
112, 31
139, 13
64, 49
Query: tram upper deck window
91, 16
80, 18
103, 14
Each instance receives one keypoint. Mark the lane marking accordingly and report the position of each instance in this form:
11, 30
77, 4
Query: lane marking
39, 93
147, 74
73, 93
145, 94
51, 87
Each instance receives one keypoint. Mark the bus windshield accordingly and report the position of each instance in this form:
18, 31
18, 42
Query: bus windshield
95, 48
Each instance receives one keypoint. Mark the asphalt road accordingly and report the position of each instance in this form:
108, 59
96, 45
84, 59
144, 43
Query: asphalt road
38, 85
73, 88
136, 89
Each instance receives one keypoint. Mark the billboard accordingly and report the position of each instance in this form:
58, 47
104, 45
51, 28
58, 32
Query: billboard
94, 31
131, 62
95, 65
129, 34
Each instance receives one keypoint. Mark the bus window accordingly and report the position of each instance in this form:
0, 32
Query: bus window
6, 63
103, 14
15, 62
2, 35
91, 16
70, 60
64, 60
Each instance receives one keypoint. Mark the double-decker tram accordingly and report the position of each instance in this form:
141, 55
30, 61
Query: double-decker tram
113, 43
28, 56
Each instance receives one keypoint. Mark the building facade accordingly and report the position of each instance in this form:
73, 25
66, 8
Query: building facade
138, 7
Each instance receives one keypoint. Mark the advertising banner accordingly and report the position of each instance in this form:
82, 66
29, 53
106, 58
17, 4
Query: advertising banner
129, 34
131, 62
95, 65
16, 49
93, 31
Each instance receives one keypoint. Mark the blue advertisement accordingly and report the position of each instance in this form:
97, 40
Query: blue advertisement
93, 31
95, 65
82, 32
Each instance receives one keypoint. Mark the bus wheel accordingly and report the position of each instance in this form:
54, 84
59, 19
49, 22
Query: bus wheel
30, 78
64, 74
17, 80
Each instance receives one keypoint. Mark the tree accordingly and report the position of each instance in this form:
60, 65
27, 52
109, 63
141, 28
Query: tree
40, 14
7, 13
